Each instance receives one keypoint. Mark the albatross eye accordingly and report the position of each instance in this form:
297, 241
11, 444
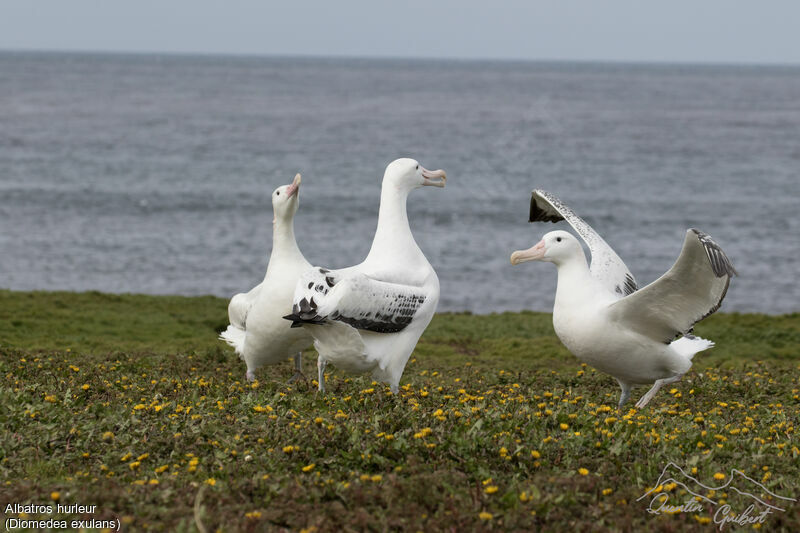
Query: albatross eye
417, 167
279, 193
558, 239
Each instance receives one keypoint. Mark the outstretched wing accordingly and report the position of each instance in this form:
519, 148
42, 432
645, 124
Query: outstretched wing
355, 299
606, 265
690, 291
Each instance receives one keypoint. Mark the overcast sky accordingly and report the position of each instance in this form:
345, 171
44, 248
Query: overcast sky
728, 31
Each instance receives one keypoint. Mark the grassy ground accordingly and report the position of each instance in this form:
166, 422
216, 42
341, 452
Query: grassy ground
130, 403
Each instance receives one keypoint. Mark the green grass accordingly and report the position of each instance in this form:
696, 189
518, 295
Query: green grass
129, 402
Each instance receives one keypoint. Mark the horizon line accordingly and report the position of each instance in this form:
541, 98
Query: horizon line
455, 59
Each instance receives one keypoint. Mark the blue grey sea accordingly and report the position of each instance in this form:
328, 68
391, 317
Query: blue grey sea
153, 174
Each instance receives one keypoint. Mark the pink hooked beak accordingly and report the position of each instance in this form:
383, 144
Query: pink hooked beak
534, 253
292, 189
433, 175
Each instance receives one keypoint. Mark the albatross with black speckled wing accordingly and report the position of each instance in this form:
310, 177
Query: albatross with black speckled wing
369, 317
639, 336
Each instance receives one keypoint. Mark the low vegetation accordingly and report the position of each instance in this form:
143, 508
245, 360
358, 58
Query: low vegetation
129, 403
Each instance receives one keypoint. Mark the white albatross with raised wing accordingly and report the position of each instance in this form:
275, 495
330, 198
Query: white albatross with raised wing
369, 317
257, 330
639, 336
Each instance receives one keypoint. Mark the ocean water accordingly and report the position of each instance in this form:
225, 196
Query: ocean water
146, 173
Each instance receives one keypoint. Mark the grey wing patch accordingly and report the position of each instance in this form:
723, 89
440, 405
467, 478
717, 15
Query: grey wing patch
711, 311
720, 263
391, 318
688, 293
716, 306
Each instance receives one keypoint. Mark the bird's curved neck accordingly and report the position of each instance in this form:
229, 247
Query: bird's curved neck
284, 244
393, 235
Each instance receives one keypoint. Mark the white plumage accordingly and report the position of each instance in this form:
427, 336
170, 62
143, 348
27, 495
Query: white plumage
369, 317
605, 320
257, 330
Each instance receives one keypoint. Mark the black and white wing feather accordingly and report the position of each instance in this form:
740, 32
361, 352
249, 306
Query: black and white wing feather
355, 299
690, 291
606, 266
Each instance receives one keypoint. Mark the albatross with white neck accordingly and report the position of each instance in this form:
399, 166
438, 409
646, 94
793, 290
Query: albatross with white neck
369, 317
639, 336
257, 330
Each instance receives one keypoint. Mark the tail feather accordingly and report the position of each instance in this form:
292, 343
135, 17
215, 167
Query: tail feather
689, 345
235, 337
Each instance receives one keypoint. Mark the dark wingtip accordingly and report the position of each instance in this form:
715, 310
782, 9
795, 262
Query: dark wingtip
536, 213
298, 320
630, 284
720, 264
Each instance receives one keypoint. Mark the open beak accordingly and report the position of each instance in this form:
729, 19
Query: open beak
535, 253
434, 178
292, 189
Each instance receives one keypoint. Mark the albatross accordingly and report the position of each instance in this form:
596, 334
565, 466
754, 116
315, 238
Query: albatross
369, 317
638, 336
257, 330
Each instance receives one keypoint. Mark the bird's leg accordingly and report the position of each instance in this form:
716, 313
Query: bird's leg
626, 393
321, 364
298, 368
656, 386
250, 376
